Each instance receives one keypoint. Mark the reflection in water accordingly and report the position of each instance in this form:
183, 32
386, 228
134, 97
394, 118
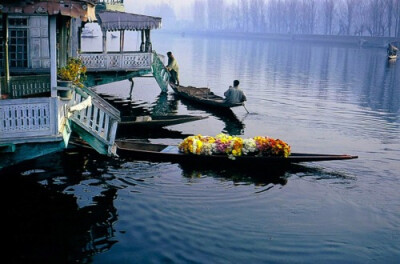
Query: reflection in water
238, 176
233, 126
167, 105
45, 222
163, 105
345, 99
128, 106
378, 92
266, 176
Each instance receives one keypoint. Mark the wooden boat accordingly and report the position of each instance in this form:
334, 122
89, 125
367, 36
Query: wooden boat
392, 52
166, 153
202, 96
156, 121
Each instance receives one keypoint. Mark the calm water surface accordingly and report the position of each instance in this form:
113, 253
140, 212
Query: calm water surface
79, 207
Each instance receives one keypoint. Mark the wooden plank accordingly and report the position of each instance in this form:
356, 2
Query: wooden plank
53, 55
101, 122
30, 151
6, 60
7, 148
94, 119
88, 116
94, 141
106, 126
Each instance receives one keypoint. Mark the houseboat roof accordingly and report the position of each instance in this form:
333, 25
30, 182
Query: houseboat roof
84, 9
116, 21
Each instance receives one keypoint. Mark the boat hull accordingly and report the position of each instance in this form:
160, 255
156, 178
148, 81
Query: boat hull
158, 121
202, 96
165, 153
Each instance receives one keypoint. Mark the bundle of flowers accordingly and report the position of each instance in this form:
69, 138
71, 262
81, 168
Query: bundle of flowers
234, 146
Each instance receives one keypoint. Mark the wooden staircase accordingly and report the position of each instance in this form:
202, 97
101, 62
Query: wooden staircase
97, 123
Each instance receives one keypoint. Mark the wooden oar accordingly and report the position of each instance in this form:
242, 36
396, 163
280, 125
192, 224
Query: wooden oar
245, 108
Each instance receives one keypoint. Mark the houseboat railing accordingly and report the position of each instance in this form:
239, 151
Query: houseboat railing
100, 119
22, 86
28, 120
116, 61
160, 73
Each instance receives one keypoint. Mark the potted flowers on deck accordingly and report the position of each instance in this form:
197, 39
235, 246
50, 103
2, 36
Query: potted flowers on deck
71, 75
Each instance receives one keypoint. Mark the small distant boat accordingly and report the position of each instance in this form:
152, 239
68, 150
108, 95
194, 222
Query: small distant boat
88, 33
156, 121
202, 96
392, 52
167, 153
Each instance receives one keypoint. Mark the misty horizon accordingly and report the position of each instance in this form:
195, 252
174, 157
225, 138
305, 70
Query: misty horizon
324, 17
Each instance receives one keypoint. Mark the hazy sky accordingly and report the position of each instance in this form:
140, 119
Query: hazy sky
138, 6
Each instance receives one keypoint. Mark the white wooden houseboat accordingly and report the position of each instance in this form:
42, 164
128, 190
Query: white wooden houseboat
37, 37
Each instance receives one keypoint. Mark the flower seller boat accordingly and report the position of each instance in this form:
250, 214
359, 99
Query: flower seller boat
202, 96
167, 153
156, 121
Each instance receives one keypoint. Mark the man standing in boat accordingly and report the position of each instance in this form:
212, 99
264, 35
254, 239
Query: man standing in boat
173, 68
234, 95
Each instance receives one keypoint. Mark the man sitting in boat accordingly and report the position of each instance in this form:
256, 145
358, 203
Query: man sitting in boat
234, 95
173, 68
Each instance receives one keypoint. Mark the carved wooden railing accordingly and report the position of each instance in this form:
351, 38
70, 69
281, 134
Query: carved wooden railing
99, 121
116, 61
25, 120
23, 86
160, 72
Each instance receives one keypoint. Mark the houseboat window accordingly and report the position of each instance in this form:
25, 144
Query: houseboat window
18, 47
17, 42
18, 22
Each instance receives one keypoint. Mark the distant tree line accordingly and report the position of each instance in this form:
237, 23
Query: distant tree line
328, 17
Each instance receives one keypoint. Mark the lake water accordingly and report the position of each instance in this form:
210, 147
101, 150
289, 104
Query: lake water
80, 207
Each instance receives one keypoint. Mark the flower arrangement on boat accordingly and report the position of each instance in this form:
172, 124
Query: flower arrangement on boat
234, 146
74, 71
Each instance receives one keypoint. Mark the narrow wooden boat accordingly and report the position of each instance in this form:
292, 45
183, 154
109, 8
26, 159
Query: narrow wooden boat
202, 96
166, 153
157, 121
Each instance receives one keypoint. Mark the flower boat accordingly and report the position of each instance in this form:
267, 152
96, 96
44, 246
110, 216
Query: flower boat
202, 96
222, 150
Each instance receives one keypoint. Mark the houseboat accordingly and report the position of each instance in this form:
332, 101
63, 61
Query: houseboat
38, 37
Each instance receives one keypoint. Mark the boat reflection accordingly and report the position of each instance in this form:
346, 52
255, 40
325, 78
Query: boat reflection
164, 105
267, 177
256, 177
233, 126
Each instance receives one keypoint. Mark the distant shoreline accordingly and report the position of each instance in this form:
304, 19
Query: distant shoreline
359, 41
